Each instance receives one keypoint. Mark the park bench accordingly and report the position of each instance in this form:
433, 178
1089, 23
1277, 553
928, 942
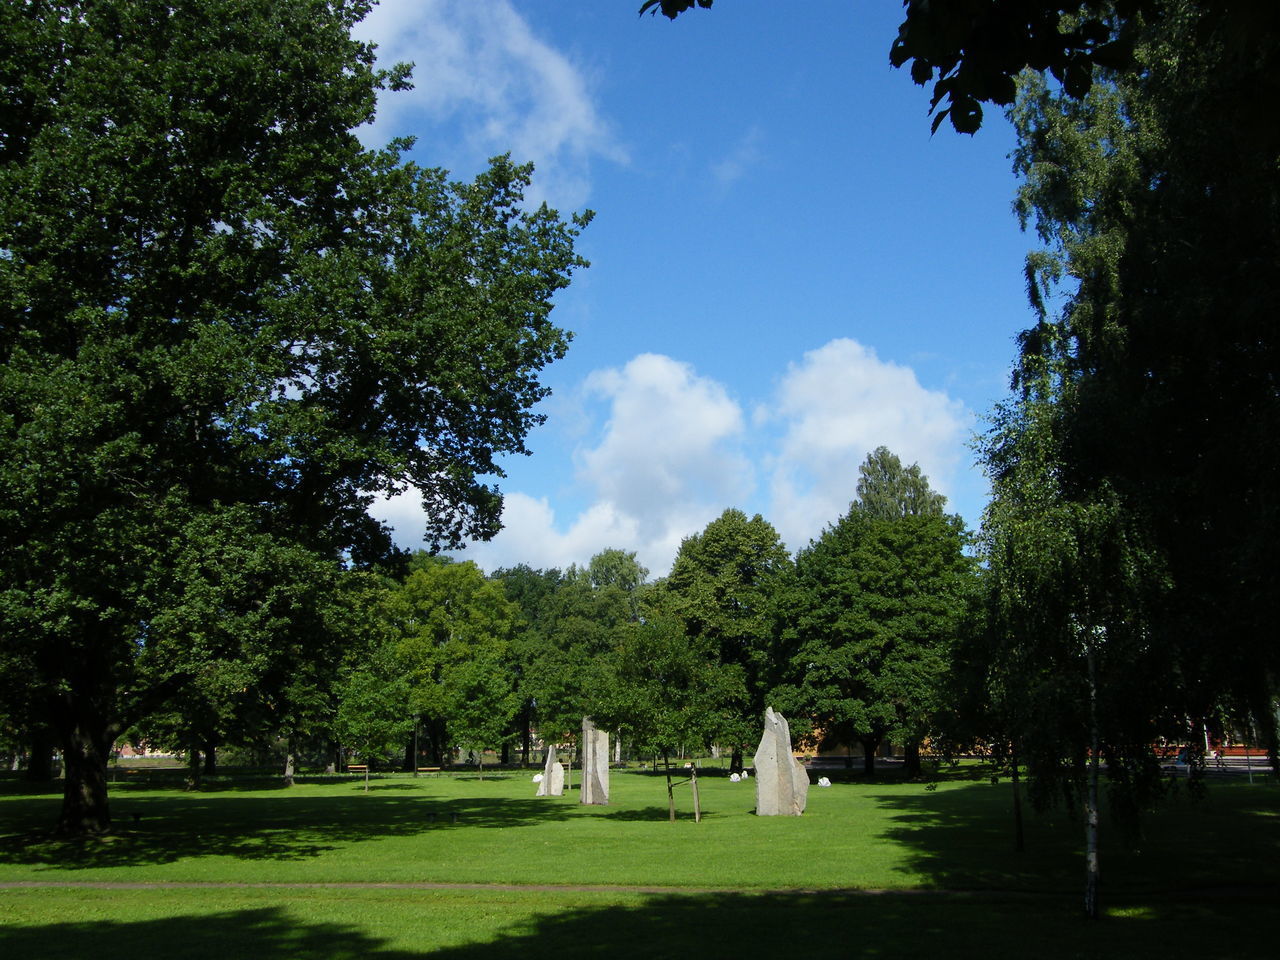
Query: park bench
357, 768
431, 770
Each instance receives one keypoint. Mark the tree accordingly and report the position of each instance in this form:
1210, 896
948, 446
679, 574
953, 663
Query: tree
1133, 567
531, 648
1155, 198
220, 312
663, 690
878, 604
373, 710
887, 490
723, 589
452, 630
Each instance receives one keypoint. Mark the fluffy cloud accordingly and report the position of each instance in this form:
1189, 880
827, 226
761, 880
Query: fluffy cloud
669, 456
837, 404
480, 66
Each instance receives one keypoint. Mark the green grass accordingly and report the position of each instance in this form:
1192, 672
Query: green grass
1202, 881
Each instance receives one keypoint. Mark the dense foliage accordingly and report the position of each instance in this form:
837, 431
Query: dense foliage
225, 326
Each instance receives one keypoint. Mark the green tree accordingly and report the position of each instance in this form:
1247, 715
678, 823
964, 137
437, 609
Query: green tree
532, 652
452, 630
723, 588
218, 311
482, 699
879, 601
663, 690
887, 490
1156, 198
373, 711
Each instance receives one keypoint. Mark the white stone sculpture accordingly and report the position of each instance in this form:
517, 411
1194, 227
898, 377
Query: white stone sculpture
595, 763
782, 785
551, 780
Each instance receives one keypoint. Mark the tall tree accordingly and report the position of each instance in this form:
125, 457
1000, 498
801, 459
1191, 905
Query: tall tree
452, 630
887, 490
663, 690
1133, 569
532, 652
1156, 198
879, 601
219, 312
723, 588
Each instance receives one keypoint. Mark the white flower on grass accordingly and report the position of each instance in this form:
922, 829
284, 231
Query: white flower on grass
824, 782
537, 778
734, 778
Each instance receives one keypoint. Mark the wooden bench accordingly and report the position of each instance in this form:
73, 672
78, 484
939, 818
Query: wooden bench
357, 768
431, 770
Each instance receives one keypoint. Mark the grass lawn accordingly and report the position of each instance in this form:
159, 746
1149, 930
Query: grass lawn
1202, 881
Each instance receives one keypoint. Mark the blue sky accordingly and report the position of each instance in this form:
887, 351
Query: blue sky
788, 270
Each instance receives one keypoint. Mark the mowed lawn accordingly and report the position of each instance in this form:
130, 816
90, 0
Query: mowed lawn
1202, 880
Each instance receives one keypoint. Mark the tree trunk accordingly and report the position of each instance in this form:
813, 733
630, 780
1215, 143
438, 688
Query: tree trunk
193, 768
671, 795
1091, 796
735, 760
911, 758
1017, 805
526, 735
84, 799
288, 764
210, 758
40, 767
869, 748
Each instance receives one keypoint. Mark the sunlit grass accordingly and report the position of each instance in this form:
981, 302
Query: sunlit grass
945, 857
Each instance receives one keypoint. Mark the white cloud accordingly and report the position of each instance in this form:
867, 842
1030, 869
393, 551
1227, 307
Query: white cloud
668, 457
481, 66
667, 461
745, 155
839, 403
670, 439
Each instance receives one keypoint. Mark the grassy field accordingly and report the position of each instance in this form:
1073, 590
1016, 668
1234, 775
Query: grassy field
621, 881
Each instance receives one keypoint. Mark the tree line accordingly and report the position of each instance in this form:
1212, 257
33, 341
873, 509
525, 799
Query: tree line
852, 637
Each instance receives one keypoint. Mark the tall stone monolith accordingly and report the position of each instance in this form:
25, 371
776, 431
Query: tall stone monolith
595, 763
782, 783
552, 784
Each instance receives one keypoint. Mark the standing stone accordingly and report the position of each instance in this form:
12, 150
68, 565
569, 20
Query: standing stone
552, 784
782, 784
595, 763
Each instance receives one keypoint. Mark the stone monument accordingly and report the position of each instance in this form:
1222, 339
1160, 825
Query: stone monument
552, 784
782, 783
594, 763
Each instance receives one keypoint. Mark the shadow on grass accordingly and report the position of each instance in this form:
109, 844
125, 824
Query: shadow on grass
962, 838
815, 927
160, 829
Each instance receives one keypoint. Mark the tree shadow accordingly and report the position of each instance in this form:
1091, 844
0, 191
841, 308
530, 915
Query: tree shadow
813, 926
649, 814
963, 838
267, 933
161, 829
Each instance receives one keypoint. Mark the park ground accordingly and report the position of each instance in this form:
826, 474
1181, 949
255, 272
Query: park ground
454, 866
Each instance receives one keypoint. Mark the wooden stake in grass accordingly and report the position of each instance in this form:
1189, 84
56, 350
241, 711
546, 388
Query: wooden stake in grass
697, 803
